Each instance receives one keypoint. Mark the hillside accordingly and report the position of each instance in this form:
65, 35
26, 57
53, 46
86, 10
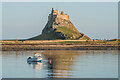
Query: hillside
59, 27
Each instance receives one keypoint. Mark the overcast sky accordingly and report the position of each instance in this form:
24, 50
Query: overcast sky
22, 20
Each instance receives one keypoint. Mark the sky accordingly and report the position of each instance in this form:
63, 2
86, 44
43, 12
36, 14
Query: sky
23, 20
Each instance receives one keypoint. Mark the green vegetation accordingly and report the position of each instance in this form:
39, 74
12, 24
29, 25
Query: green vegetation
68, 33
50, 36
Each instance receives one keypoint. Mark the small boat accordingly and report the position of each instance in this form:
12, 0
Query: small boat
36, 58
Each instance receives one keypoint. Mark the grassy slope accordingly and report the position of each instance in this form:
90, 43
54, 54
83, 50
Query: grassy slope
68, 33
71, 34
50, 36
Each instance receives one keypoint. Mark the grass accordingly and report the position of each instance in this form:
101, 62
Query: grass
68, 33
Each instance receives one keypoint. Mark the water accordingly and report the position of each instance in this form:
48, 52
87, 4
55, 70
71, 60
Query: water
64, 64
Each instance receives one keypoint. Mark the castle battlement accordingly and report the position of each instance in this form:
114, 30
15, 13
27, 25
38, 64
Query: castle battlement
56, 14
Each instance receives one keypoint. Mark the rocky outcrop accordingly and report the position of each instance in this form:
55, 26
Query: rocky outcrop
59, 27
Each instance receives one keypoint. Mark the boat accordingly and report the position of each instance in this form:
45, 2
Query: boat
35, 58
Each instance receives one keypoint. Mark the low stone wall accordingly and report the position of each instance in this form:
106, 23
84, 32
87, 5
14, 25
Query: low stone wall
58, 47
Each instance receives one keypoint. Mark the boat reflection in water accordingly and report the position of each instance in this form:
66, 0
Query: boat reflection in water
58, 64
36, 65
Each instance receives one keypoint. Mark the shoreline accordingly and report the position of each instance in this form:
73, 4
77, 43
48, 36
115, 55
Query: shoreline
16, 45
19, 47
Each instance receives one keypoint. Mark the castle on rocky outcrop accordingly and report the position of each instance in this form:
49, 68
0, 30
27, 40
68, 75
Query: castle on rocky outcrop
59, 26
56, 14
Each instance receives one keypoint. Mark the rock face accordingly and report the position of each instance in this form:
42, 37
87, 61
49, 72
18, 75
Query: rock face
59, 26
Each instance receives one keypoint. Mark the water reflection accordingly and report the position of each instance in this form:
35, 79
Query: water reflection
50, 68
59, 63
36, 65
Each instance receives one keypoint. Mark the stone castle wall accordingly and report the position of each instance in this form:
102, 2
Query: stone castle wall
64, 16
55, 14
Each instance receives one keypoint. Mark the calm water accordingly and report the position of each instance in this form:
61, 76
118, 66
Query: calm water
65, 64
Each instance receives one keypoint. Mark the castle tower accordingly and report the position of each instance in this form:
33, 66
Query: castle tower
52, 10
55, 14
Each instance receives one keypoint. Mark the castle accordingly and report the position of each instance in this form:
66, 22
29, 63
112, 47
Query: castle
55, 14
60, 27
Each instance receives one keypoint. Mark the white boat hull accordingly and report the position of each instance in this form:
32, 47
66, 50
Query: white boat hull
34, 60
